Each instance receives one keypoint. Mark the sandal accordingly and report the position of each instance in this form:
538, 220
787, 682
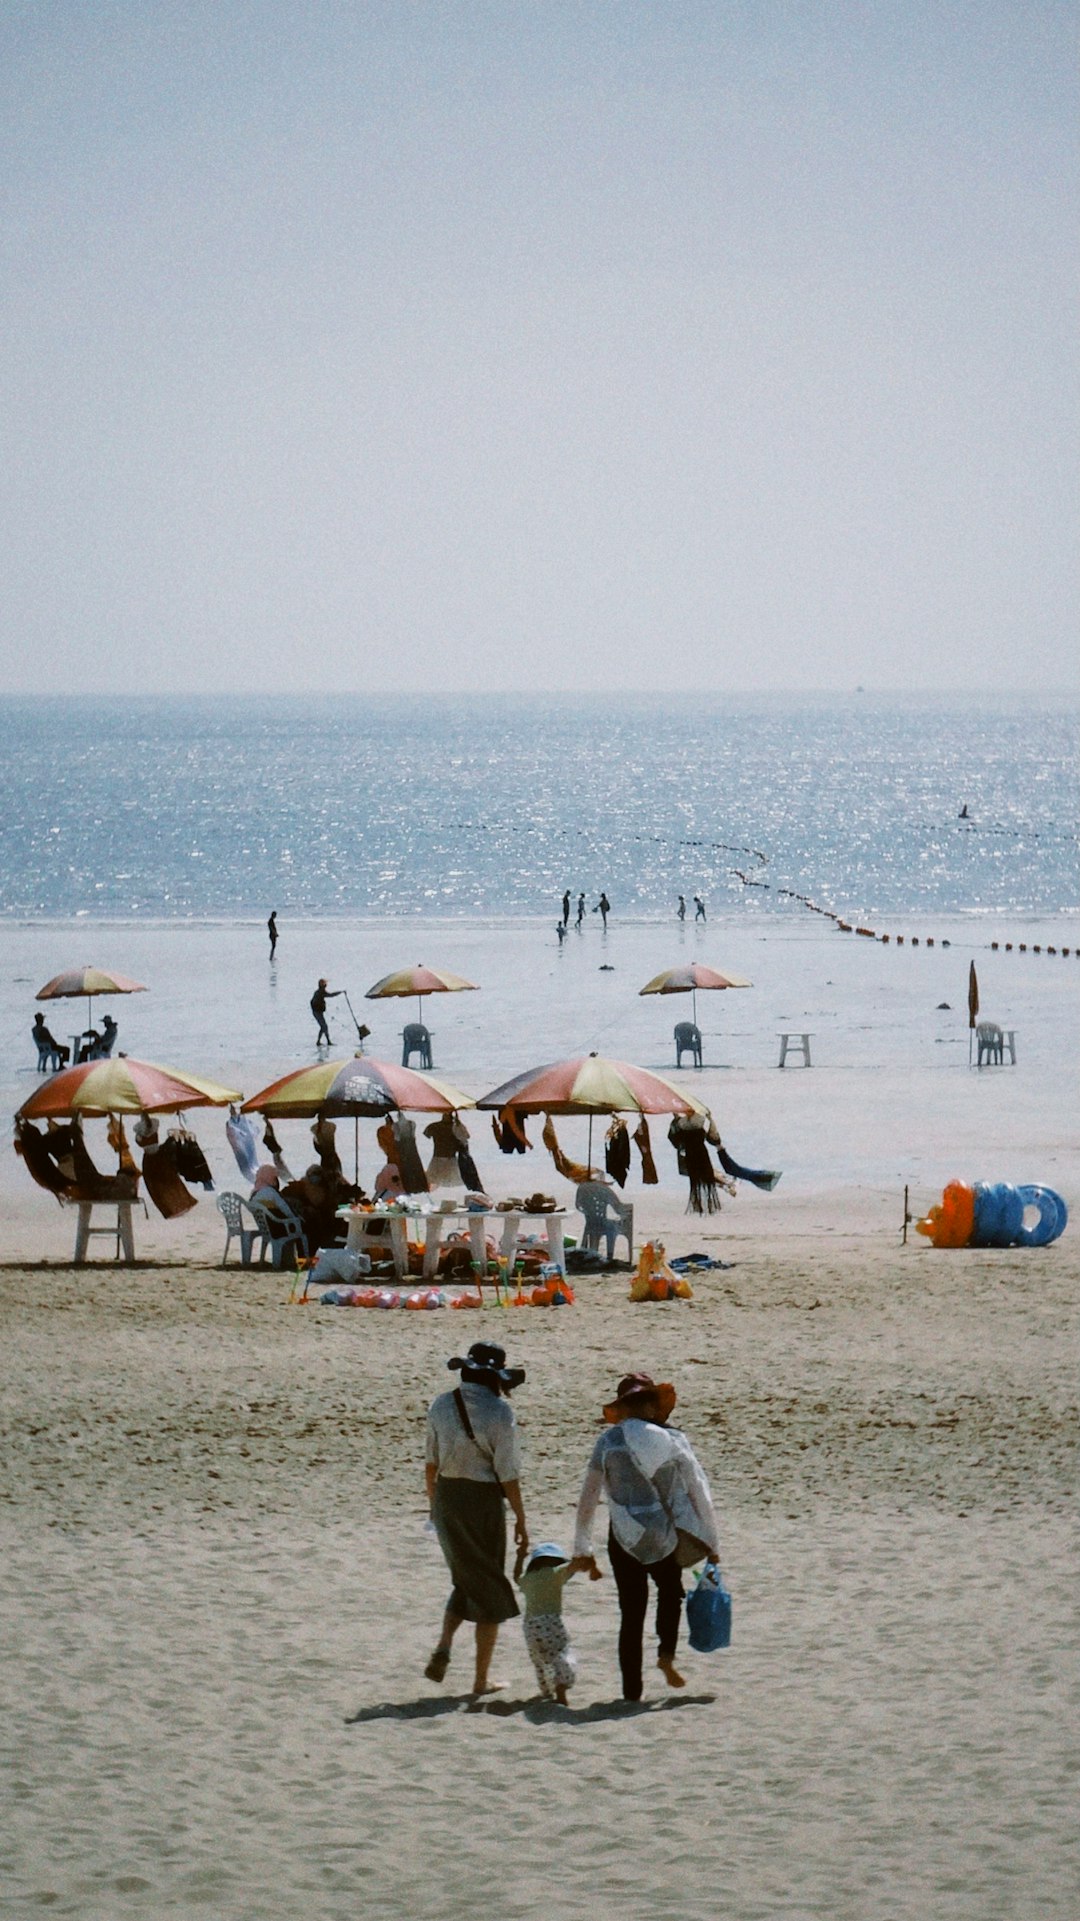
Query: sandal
438, 1664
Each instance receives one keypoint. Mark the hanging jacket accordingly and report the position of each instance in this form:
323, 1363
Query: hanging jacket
649, 1175
617, 1151
509, 1133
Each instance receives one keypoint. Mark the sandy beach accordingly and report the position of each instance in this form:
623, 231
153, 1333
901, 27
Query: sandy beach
218, 1594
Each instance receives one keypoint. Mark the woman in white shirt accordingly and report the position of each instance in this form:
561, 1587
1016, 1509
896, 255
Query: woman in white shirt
471, 1470
660, 1514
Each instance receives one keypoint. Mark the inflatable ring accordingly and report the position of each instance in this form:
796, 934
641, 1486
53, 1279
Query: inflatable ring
999, 1214
1053, 1217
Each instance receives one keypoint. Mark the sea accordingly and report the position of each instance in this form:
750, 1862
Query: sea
154, 836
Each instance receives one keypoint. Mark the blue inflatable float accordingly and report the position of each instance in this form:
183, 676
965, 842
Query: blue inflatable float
1001, 1212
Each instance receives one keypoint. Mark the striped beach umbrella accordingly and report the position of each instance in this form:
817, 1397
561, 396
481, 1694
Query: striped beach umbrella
83, 983
591, 1084
122, 1086
360, 1086
412, 983
688, 978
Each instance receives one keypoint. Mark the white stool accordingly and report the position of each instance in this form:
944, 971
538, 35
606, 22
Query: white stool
1008, 1044
122, 1230
796, 1044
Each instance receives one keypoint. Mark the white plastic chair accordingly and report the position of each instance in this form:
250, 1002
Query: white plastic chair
233, 1207
290, 1235
991, 1044
606, 1218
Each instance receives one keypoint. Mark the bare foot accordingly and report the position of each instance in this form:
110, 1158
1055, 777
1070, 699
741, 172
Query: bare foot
560, 1696
671, 1673
489, 1687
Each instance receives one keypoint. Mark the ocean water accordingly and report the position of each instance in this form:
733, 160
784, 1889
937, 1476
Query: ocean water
488, 805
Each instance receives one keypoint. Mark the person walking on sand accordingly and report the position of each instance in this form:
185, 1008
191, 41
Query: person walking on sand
605, 908
660, 1515
699, 908
542, 1577
471, 1470
580, 909
681, 909
271, 928
566, 908
322, 994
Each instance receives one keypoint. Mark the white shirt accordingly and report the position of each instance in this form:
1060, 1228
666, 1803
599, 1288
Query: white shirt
492, 1456
655, 1489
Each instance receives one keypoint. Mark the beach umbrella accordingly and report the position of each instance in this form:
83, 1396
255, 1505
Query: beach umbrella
973, 1004
412, 983
362, 1087
688, 978
122, 1086
591, 1084
83, 983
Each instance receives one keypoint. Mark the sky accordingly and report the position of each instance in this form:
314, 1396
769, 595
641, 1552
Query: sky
513, 344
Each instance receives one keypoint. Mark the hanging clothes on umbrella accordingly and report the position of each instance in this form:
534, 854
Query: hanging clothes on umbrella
509, 1133
687, 1136
617, 1151
765, 1178
570, 1170
643, 1143
160, 1171
406, 1156
240, 1134
191, 1162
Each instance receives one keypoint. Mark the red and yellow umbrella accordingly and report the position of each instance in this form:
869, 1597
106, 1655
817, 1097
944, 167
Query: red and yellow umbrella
122, 1086
412, 983
590, 1084
360, 1086
688, 978
83, 983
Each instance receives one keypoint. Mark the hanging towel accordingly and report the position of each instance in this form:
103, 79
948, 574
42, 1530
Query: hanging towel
617, 1151
758, 1176
161, 1175
240, 1133
570, 1170
649, 1175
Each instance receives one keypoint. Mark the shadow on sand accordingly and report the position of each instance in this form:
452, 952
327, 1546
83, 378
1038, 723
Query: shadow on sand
532, 1709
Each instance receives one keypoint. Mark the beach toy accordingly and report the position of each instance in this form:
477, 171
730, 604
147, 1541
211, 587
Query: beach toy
994, 1214
949, 1224
1053, 1217
388, 1297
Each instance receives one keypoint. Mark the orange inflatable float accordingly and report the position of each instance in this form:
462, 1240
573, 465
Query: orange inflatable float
952, 1221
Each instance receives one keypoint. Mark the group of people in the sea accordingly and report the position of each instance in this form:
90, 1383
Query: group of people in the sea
660, 1521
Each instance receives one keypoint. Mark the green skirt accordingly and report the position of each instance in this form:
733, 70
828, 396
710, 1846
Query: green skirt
470, 1521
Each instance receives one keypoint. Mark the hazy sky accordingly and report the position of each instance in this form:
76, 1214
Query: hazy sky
628, 344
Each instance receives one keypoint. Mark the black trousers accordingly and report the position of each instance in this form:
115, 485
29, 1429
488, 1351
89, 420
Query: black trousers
632, 1584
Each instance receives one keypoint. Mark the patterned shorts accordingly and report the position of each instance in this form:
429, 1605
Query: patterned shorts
552, 1656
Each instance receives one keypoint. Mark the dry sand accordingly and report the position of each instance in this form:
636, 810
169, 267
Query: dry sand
218, 1596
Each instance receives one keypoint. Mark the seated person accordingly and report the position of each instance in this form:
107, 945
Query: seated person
43, 1038
389, 1185
87, 1045
107, 1037
315, 1202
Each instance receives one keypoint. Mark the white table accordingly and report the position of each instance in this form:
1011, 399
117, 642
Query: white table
796, 1043
397, 1221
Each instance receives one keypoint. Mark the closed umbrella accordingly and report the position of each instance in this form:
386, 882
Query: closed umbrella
973, 1004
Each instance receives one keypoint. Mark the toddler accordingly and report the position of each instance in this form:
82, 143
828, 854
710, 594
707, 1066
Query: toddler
546, 1572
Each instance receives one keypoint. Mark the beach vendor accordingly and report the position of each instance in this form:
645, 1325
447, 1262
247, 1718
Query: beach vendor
660, 1515
471, 1470
322, 994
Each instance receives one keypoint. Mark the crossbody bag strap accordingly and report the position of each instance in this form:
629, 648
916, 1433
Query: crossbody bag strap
459, 1400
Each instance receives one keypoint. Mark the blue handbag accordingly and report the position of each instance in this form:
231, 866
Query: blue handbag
708, 1612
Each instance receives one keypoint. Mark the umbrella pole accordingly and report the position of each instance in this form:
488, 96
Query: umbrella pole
588, 1156
356, 1150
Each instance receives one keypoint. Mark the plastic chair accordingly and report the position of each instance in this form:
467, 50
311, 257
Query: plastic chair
50, 1057
606, 1218
416, 1039
233, 1207
991, 1044
290, 1235
687, 1041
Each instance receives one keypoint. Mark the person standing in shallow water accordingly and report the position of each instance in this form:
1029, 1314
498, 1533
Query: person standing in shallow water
699, 907
681, 909
605, 908
271, 928
319, 999
566, 908
471, 1470
580, 909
